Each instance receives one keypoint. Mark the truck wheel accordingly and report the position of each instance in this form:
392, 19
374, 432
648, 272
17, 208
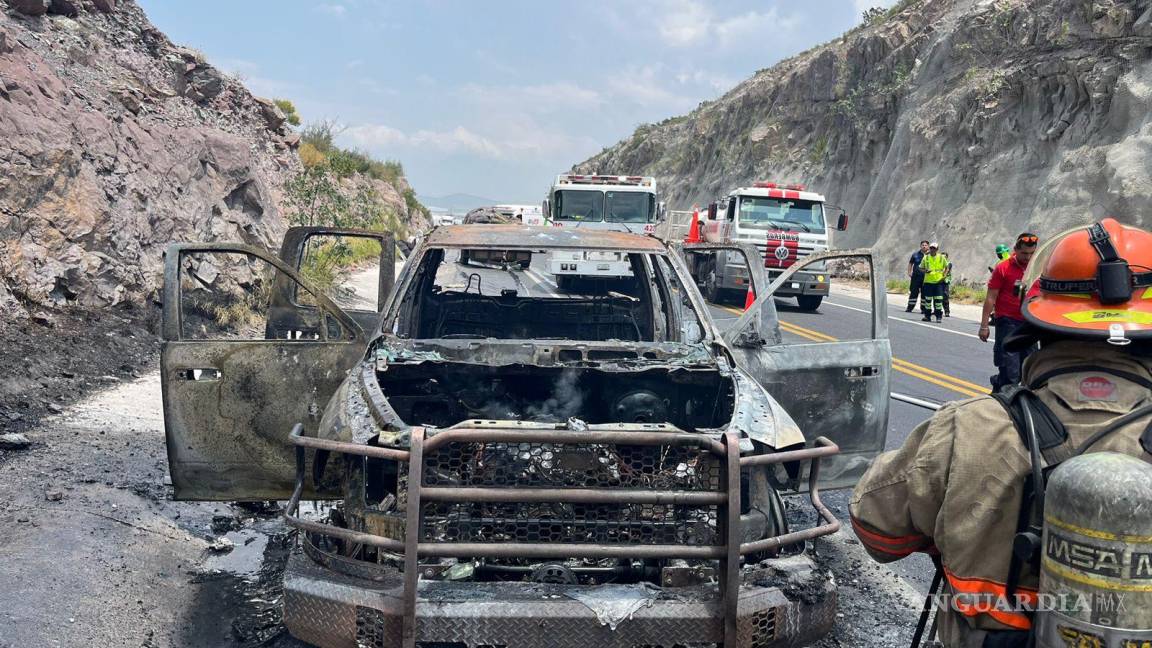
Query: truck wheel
712, 290
809, 302
564, 282
524, 264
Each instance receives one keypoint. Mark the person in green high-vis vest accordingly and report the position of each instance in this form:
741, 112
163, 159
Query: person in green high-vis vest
935, 267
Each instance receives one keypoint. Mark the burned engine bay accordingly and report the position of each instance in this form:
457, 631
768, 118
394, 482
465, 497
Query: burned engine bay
441, 394
645, 387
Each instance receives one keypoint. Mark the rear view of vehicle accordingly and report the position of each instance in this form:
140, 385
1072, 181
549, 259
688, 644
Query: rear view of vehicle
606, 202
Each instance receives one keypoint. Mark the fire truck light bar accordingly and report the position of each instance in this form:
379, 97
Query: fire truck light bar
773, 185
639, 181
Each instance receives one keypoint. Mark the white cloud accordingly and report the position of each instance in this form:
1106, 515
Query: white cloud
753, 25
456, 140
534, 98
684, 22
689, 23
513, 137
331, 9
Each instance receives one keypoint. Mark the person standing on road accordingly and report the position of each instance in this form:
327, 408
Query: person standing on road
934, 266
916, 277
956, 487
1004, 298
947, 284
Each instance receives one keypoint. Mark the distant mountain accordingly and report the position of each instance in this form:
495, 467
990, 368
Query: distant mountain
457, 202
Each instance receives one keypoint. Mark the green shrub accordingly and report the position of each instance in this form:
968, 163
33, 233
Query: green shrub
289, 110
897, 285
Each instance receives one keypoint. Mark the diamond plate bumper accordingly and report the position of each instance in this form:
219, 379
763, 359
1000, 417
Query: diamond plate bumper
335, 610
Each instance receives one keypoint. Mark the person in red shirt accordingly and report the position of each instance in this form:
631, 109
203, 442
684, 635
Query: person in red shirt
1004, 297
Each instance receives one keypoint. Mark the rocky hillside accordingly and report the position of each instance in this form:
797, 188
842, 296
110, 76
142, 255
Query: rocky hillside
963, 120
115, 142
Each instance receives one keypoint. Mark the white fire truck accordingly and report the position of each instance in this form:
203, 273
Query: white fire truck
608, 202
784, 222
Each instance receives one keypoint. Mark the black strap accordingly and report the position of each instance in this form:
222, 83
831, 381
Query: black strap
1081, 286
937, 579
1102, 241
1050, 431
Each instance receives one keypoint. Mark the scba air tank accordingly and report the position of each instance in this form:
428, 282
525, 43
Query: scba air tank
1096, 570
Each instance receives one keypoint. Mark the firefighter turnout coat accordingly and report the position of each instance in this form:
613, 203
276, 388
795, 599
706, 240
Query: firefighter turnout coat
956, 486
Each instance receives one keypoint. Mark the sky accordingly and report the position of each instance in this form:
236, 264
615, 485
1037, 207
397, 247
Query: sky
495, 98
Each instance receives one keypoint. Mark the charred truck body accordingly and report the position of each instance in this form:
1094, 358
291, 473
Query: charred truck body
518, 466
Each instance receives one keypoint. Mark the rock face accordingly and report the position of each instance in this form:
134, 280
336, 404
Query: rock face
113, 143
962, 120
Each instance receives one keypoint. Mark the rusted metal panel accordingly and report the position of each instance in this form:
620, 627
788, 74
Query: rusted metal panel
513, 237
225, 435
227, 402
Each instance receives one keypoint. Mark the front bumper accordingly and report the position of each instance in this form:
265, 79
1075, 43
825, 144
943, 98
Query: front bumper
340, 599
336, 610
802, 283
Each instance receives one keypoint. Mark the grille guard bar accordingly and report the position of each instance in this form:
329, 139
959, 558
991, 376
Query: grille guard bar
727, 499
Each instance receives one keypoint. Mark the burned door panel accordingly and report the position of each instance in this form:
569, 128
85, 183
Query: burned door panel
229, 396
831, 387
227, 432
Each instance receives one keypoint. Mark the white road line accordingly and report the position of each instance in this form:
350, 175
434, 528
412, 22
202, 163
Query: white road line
897, 319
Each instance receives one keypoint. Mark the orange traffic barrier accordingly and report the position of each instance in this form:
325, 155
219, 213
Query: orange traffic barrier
749, 299
694, 231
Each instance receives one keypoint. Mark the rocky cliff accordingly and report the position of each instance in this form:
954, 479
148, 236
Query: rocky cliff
963, 120
115, 142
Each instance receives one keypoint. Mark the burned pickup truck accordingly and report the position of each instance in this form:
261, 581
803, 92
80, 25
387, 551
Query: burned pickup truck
517, 464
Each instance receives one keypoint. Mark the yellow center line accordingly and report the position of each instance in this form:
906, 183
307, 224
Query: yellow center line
950, 383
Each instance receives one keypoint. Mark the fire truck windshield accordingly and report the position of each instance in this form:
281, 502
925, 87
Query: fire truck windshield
772, 212
605, 206
573, 205
630, 206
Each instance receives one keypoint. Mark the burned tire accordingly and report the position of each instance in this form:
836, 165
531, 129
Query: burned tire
809, 302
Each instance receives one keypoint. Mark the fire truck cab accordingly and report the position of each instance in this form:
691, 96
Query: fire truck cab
784, 222
605, 202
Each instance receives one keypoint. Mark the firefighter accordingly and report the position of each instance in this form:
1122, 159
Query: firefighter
957, 486
916, 276
935, 267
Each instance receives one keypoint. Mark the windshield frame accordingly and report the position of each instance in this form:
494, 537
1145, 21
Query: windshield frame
412, 274
815, 224
558, 205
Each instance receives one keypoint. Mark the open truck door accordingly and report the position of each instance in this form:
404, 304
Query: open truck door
835, 386
239, 370
355, 268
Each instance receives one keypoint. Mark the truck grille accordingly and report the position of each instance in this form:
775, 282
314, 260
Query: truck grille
571, 466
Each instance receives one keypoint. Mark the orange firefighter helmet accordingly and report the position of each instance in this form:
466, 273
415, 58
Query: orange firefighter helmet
1094, 282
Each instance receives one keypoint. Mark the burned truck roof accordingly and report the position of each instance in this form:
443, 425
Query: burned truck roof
535, 237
